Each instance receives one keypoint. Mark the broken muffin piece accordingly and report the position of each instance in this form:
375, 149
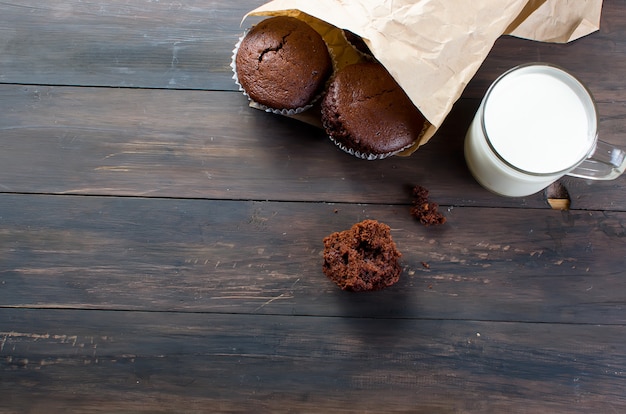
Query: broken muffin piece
363, 258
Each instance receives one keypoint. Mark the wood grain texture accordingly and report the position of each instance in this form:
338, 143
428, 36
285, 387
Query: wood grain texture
200, 144
160, 241
265, 258
149, 44
71, 361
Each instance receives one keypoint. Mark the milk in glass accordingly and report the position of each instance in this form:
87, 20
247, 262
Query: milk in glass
534, 125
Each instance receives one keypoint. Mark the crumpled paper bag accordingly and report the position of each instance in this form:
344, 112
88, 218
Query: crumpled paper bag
433, 48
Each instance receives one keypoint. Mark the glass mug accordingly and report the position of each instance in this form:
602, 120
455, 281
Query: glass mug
536, 124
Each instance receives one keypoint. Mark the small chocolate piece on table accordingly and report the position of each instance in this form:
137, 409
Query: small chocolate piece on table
424, 210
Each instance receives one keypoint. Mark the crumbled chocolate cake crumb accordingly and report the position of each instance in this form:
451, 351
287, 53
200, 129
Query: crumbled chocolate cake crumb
424, 210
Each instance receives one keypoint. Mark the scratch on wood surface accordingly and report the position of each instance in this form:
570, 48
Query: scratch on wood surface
222, 244
62, 338
14, 334
282, 295
567, 259
229, 297
270, 301
119, 168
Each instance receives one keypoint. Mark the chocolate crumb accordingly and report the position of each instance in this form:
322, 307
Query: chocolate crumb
424, 210
426, 265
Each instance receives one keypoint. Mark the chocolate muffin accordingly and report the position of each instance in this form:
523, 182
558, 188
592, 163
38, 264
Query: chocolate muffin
366, 113
282, 63
363, 258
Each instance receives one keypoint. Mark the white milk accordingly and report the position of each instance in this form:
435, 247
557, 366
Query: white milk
535, 124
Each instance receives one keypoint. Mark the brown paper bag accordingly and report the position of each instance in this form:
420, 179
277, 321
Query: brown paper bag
433, 48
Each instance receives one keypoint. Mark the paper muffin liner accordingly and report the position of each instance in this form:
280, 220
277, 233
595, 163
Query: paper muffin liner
372, 156
287, 111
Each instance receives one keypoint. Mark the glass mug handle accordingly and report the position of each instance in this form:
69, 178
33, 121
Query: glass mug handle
605, 163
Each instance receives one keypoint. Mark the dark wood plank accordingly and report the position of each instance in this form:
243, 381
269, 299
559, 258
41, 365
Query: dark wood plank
156, 44
265, 258
211, 145
76, 361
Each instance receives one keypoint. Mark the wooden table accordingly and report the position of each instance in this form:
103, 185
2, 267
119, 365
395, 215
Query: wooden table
160, 241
